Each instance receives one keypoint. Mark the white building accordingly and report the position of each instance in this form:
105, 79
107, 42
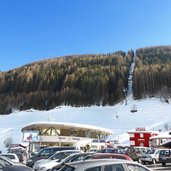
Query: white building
40, 134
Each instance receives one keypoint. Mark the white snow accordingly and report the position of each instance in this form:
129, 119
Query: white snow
152, 114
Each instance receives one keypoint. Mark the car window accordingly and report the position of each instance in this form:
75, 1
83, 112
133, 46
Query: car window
3, 162
150, 152
119, 157
9, 156
67, 168
45, 152
94, 169
117, 167
158, 151
136, 168
58, 156
77, 158
165, 152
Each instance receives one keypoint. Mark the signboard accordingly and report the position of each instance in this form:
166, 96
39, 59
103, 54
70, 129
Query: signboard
31, 136
140, 129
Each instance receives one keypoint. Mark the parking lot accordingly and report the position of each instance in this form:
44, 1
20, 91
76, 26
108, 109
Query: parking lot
159, 167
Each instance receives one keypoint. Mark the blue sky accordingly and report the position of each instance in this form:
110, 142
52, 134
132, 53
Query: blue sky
32, 30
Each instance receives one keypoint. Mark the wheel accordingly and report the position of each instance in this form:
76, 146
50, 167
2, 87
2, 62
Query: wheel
154, 161
139, 160
163, 164
143, 162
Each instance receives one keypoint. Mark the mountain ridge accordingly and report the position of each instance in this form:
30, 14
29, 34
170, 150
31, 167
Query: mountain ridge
86, 80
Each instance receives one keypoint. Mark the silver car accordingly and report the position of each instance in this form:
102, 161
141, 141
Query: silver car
104, 165
59, 155
150, 157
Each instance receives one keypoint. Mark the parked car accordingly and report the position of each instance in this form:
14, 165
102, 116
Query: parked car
22, 153
104, 165
165, 156
54, 158
46, 153
136, 152
22, 157
92, 150
7, 165
150, 157
109, 156
71, 158
108, 150
12, 156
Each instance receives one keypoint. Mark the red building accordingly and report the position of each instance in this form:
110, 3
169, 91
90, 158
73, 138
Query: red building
140, 137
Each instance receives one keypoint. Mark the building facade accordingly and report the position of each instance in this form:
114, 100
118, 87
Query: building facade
40, 134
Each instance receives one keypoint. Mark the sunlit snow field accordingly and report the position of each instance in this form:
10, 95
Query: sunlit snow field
153, 114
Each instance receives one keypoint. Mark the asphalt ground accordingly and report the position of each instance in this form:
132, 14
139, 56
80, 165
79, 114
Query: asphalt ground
160, 167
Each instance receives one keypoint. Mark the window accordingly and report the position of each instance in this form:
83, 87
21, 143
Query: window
94, 169
131, 135
58, 156
167, 153
132, 167
141, 135
116, 167
45, 152
10, 156
67, 168
132, 142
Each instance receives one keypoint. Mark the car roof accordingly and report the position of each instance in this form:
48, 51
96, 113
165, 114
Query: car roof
108, 154
8, 154
65, 151
99, 162
60, 147
111, 154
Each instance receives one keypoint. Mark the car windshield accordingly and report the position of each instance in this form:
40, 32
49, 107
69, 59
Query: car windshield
5, 162
67, 168
150, 152
65, 158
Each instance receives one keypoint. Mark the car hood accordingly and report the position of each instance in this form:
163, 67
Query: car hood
41, 161
19, 168
50, 164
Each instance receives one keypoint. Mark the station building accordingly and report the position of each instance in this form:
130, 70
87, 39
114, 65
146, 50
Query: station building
41, 134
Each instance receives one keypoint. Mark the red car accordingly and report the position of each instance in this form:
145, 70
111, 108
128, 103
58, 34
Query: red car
109, 156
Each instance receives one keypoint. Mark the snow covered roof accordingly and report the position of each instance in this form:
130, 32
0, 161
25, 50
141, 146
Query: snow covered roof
164, 135
65, 125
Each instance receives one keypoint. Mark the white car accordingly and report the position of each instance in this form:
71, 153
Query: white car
12, 156
45, 164
56, 164
151, 156
104, 165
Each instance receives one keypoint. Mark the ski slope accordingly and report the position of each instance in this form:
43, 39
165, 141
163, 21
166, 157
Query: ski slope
152, 114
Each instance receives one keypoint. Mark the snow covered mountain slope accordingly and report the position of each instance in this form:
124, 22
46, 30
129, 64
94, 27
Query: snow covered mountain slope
153, 114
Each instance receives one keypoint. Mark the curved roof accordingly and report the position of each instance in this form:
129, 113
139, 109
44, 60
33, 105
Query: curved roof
164, 135
60, 125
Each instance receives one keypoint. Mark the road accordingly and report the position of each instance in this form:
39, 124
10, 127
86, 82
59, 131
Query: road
159, 167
